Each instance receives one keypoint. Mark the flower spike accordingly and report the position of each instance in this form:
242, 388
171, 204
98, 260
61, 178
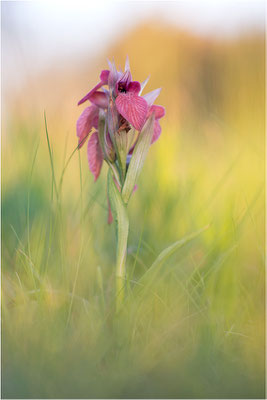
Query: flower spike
125, 124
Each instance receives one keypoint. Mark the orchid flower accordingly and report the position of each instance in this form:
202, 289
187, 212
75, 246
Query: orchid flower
131, 110
120, 125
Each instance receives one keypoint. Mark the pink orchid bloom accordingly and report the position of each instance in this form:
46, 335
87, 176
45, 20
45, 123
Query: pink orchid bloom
158, 110
103, 81
124, 108
132, 107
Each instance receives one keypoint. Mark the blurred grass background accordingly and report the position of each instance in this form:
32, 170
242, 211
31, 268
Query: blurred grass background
197, 331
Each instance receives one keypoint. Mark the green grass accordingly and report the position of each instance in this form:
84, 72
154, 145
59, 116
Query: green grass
193, 328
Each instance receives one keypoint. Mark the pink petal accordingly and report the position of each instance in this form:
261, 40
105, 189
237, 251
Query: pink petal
158, 110
151, 96
85, 123
95, 120
125, 78
113, 119
104, 76
157, 131
113, 75
134, 87
88, 95
99, 99
133, 108
123, 82
94, 155
103, 81
127, 64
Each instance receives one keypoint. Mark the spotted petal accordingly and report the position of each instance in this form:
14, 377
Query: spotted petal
94, 155
133, 108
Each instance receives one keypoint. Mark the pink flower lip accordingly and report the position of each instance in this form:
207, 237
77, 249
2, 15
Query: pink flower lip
133, 108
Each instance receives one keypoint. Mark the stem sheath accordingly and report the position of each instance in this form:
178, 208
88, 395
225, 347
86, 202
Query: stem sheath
119, 211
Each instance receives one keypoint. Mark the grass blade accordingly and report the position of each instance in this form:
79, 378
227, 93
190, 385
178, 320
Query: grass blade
51, 156
166, 253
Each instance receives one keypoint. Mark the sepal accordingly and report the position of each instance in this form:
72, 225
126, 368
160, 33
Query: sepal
138, 158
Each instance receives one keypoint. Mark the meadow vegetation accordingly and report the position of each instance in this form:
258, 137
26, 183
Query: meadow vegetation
195, 327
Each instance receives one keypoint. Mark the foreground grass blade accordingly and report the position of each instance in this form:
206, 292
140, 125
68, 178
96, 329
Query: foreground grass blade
138, 158
122, 228
50, 156
166, 253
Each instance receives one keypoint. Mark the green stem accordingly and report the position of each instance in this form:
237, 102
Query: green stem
122, 228
121, 264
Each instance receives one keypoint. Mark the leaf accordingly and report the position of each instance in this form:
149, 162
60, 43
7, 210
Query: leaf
138, 158
166, 253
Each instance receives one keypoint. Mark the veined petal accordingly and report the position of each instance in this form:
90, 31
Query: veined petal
85, 123
133, 108
157, 131
134, 87
94, 155
158, 110
151, 96
95, 120
99, 99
